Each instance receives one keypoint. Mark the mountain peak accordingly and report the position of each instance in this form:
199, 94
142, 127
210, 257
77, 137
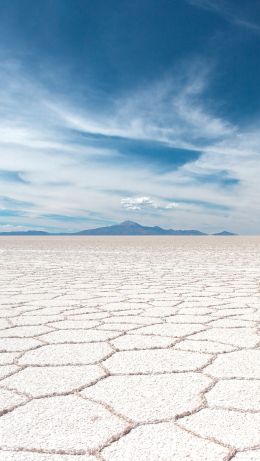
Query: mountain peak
129, 224
124, 228
224, 233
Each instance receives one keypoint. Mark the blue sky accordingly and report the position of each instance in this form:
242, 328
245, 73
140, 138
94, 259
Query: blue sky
145, 110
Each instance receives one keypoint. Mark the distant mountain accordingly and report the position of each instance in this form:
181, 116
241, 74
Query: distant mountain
133, 228
29, 232
224, 234
124, 228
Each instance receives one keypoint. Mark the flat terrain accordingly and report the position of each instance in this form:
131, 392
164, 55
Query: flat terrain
129, 348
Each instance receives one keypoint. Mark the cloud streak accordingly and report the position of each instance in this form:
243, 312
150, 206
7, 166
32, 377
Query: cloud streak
229, 11
59, 169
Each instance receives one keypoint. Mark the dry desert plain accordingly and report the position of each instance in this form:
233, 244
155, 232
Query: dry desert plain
129, 348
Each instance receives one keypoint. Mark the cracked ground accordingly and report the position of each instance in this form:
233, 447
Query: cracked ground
129, 349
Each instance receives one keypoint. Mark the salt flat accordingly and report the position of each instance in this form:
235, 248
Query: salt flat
129, 348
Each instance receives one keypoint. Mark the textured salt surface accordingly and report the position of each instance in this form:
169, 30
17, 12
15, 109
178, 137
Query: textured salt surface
129, 349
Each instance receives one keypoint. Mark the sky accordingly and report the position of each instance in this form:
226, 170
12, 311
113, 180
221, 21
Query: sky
142, 110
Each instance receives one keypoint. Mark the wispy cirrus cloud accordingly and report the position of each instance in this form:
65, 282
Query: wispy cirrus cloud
69, 157
228, 10
11, 228
169, 111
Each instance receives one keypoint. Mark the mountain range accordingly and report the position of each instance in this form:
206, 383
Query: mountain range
124, 228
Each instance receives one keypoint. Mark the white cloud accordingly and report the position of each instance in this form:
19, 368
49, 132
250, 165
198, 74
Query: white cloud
69, 176
138, 203
169, 111
171, 206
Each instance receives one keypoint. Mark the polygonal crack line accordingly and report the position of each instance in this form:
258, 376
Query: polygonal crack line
220, 316
28, 324
237, 378
155, 373
235, 349
27, 337
128, 303
227, 317
202, 394
151, 306
153, 348
121, 312
236, 410
200, 406
16, 391
68, 364
55, 328
252, 307
230, 455
36, 312
17, 353
232, 449
105, 316
23, 352
55, 452
109, 408
245, 450
213, 340
177, 339
98, 311
137, 327
21, 367
220, 379
220, 342
98, 456
9, 317
42, 341
92, 341
12, 408
183, 314
44, 451
75, 391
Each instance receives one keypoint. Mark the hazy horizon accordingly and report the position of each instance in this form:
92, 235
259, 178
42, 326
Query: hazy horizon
127, 227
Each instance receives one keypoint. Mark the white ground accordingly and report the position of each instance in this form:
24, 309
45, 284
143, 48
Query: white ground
129, 349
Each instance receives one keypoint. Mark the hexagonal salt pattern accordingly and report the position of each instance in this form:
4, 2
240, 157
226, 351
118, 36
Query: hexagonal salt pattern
162, 442
233, 428
155, 361
123, 349
40, 381
242, 364
237, 394
132, 395
66, 354
66, 423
